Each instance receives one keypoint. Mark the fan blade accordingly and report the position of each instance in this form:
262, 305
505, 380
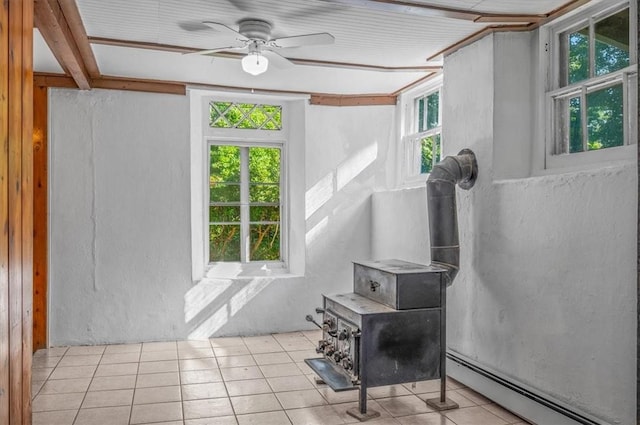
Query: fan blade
303, 40
193, 26
242, 5
225, 29
277, 60
210, 51
324, 8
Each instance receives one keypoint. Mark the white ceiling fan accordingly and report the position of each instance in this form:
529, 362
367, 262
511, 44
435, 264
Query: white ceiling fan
254, 37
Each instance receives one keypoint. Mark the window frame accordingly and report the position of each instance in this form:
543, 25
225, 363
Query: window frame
244, 209
248, 138
551, 67
410, 152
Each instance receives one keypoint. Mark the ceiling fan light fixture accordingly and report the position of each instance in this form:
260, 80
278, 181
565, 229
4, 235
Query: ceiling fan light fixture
255, 63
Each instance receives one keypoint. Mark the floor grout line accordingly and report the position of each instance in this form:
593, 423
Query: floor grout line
295, 344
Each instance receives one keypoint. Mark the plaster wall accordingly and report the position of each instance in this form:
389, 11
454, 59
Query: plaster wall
546, 294
120, 254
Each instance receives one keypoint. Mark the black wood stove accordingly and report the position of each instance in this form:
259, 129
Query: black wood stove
392, 328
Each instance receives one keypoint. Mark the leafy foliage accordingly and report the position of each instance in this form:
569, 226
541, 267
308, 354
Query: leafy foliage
431, 148
225, 214
245, 115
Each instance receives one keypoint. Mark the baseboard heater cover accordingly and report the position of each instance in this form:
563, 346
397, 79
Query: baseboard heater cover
525, 402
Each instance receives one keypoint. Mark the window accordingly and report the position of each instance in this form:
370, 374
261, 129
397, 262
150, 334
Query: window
244, 203
422, 140
593, 96
247, 185
244, 181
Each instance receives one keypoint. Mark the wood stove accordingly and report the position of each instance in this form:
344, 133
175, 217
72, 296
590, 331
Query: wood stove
392, 328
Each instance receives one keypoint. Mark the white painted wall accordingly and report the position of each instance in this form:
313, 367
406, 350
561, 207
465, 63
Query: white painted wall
120, 221
546, 294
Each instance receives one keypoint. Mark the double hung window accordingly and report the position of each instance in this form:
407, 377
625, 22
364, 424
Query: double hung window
422, 141
593, 96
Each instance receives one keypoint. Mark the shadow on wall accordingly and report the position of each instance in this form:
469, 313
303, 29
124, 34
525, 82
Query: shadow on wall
328, 186
215, 300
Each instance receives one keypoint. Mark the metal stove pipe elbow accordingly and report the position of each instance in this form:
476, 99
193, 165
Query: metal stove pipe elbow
461, 169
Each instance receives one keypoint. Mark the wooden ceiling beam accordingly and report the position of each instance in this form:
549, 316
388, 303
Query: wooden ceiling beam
353, 100
43, 79
50, 20
477, 36
554, 14
74, 20
435, 11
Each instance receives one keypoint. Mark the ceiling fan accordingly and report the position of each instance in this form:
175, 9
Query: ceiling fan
254, 37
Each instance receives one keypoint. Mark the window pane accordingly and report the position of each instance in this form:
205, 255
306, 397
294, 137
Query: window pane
421, 123
234, 115
264, 165
224, 243
612, 43
604, 118
224, 164
433, 116
216, 114
575, 125
430, 153
224, 192
264, 193
576, 59
264, 213
265, 242
218, 214
245, 116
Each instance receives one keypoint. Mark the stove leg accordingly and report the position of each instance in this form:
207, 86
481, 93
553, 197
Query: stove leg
360, 412
443, 403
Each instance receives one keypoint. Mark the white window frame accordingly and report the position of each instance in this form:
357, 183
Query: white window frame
249, 138
292, 139
410, 152
244, 209
550, 54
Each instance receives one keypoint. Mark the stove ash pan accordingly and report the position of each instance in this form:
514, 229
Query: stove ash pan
399, 284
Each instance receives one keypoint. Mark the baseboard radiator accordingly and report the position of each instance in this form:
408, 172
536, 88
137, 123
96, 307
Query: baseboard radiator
517, 397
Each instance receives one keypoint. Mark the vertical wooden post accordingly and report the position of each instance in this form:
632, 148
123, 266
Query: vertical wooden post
16, 210
40, 216
638, 230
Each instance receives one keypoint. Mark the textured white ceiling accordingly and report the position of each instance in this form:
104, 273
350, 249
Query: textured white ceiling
362, 36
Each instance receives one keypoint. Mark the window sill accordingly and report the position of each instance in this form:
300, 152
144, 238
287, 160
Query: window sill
557, 164
233, 270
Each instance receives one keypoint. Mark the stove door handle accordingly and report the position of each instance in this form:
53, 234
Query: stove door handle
309, 318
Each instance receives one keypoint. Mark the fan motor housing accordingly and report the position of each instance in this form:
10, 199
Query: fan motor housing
255, 29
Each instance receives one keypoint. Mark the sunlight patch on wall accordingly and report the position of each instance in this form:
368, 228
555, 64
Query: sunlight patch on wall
206, 294
318, 195
316, 231
355, 165
209, 326
246, 294
203, 294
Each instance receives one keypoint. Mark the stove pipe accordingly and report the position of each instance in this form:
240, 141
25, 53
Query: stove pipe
461, 169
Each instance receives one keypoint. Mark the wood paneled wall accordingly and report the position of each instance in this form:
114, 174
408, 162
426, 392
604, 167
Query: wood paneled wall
16, 210
40, 215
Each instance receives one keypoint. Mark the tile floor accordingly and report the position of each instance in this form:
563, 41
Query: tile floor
259, 380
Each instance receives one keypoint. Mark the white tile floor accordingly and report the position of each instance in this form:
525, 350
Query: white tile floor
258, 380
